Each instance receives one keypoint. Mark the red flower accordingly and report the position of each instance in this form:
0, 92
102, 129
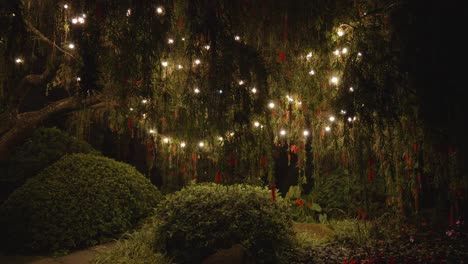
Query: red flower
299, 202
294, 149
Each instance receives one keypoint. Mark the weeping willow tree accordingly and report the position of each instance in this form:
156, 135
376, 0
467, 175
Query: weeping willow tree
214, 88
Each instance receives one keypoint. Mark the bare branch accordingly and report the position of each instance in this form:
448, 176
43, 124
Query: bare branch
41, 36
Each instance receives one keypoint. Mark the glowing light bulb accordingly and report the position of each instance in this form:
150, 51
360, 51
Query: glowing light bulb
305, 133
359, 54
237, 38
183, 39
220, 91
220, 138
78, 79
180, 67
164, 63
182, 144
344, 50
241, 82
343, 112
71, 46
337, 52
81, 20
312, 72
74, 20
197, 61
231, 134
309, 55
83, 15
334, 80
340, 33
131, 109
129, 12
144, 101
65, 6
152, 131
19, 60
159, 10
327, 129
289, 98
196, 90
201, 144
331, 118
350, 119
299, 103
166, 140
207, 47
256, 124
283, 132
144, 115
351, 89
354, 118
271, 105
170, 41
254, 90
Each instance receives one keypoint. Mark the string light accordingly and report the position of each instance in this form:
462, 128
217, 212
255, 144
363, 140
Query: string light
201, 144
19, 60
160, 10
256, 124
241, 82
182, 144
183, 39
283, 132
197, 61
78, 79
305, 133
312, 72
337, 52
83, 15
327, 129
180, 67
237, 38
289, 98
344, 50
81, 20
334, 80
13, 14
343, 112
166, 140
74, 20
340, 33
131, 109
309, 55
144, 115
359, 54
196, 90
354, 118
170, 41
299, 103
254, 90
164, 63
152, 131
271, 105
350, 119
351, 89
65, 6
231, 134
144, 101
129, 12
71, 46
220, 138
220, 91
207, 47
331, 118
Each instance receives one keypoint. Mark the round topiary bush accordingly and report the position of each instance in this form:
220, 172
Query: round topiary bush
44, 147
78, 201
202, 219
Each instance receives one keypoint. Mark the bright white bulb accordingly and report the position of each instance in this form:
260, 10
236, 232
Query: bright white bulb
71, 46
197, 61
331, 118
81, 20
129, 12
337, 52
299, 103
359, 54
327, 129
166, 140
271, 105
201, 144
254, 90
237, 38
220, 138
350, 119
144, 101
312, 72
343, 112
231, 134
289, 98
78, 79
351, 89
170, 41
152, 131
309, 55
65, 6
19, 60
220, 91
305, 133
83, 15
207, 47
164, 63
256, 124
283, 132
131, 109
340, 33
144, 115
334, 80
196, 90
344, 50
182, 145
159, 10
354, 118
183, 39
241, 82
180, 67
74, 20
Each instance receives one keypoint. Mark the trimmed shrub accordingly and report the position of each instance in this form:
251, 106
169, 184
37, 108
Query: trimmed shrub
202, 219
80, 200
44, 147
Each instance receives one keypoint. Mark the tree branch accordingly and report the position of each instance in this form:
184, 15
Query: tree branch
41, 36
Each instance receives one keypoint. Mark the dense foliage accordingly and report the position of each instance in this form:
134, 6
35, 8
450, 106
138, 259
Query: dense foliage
44, 147
78, 201
199, 220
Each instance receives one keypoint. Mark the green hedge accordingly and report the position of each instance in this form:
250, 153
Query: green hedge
199, 220
80, 200
44, 147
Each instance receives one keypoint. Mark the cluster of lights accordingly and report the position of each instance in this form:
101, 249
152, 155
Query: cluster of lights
164, 63
170, 41
19, 60
312, 72
197, 61
79, 19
